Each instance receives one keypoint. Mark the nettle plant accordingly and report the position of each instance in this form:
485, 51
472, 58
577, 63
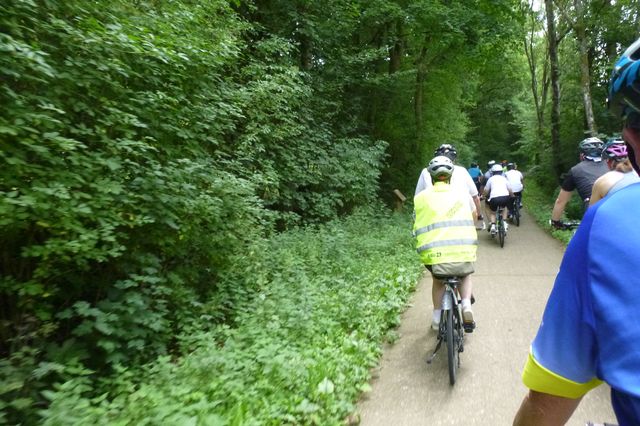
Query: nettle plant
299, 352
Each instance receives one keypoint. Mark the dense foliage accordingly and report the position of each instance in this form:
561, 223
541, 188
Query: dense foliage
153, 151
299, 352
146, 149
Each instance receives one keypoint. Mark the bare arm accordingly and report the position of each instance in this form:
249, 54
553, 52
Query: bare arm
487, 189
476, 201
602, 185
541, 409
560, 204
597, 192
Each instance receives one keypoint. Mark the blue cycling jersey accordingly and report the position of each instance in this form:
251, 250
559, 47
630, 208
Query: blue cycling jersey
590, 329
475, 172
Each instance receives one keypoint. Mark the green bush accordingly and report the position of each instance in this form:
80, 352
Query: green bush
300, 351
540, 204
146, 149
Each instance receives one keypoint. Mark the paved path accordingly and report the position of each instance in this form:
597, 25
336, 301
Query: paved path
512, 286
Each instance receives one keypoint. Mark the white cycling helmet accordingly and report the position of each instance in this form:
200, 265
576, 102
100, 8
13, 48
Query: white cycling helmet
440, 167
496, 168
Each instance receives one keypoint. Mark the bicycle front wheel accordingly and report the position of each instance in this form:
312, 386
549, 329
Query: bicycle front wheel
452, 347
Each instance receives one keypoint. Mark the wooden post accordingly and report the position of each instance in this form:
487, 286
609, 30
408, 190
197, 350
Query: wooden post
400, 199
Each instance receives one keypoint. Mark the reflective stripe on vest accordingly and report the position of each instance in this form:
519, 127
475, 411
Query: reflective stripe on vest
444, 243
443, 224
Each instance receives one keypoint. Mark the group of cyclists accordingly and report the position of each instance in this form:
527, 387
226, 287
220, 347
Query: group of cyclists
447, 206
501, 186
588, 334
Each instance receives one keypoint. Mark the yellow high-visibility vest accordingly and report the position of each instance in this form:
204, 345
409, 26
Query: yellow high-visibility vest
444, 227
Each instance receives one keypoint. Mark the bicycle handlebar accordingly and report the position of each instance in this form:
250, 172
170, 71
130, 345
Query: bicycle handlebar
559, 224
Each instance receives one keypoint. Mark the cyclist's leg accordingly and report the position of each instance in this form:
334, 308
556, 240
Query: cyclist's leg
492, 213
506, 204
437, 291
465, 288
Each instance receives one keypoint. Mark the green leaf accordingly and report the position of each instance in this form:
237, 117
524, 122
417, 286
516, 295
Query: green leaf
326, 386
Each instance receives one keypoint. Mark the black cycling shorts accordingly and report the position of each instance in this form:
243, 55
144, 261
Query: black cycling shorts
496, 202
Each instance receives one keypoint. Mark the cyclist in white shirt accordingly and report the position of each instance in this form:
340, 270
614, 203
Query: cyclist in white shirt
516, 180
460, 177
487, 174
498, 193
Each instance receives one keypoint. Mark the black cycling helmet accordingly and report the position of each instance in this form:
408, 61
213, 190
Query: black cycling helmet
511, 166
447, 150
473, 165
591, 147
624, 87
440, 168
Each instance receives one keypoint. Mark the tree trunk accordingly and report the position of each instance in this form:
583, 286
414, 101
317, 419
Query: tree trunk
421, 72
533, 70
305, 52
585, 77
555, 86
397, 50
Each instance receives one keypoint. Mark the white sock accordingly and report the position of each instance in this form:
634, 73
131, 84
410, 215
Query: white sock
466, 303
436, 315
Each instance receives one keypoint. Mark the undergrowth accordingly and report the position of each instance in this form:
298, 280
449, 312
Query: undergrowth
540, 204
299, 353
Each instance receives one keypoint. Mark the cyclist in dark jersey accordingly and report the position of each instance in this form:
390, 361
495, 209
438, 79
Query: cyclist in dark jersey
580, 178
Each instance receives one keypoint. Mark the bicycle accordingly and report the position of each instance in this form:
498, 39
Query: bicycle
452, 328
515, 210
501, 230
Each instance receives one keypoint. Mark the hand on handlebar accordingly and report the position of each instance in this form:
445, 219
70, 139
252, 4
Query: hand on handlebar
557, 224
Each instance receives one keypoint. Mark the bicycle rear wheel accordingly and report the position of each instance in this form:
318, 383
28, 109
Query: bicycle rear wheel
452, 347
516, 212
501, 232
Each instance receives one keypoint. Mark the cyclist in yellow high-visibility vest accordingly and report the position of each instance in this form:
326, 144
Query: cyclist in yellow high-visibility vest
446, 236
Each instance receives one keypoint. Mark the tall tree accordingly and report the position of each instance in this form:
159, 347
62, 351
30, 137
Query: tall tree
552, 41
539, 84
578, 23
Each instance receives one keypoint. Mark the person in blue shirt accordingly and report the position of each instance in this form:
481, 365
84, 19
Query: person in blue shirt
589, 332
476, 175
